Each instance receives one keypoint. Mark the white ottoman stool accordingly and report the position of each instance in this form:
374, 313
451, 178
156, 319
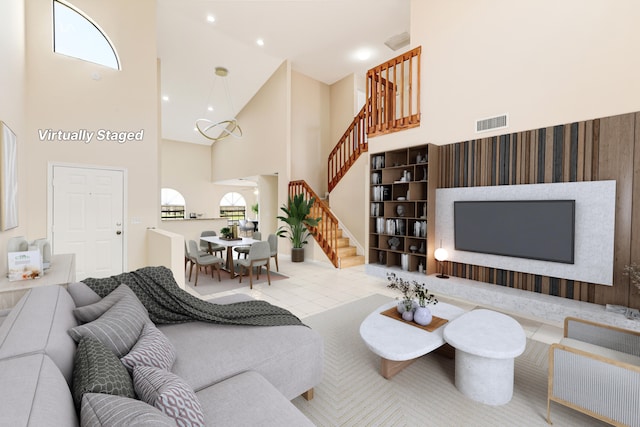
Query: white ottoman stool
486, 344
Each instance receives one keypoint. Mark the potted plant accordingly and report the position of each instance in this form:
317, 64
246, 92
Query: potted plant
254, 209
296, 225
226, 232
405, 307
422, 314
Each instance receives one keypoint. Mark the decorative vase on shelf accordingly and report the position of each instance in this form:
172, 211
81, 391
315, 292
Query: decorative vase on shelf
422, 316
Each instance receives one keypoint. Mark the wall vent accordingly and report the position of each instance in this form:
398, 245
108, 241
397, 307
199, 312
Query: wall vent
491, 123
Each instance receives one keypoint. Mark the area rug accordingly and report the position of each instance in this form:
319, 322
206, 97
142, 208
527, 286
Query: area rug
208, 286
353, 393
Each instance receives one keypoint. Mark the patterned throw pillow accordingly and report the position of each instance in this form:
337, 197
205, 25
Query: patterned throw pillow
169, 393
106, 410
89, 313
152, 349
118, 328
97, 370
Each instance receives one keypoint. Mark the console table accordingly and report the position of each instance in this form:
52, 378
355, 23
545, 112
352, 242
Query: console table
61, 272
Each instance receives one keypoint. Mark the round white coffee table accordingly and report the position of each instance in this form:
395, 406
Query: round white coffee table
399, 344
486, 344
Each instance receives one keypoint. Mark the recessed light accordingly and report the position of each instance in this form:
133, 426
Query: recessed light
260, 42
211, 18
363, 54
210, 108
165, 98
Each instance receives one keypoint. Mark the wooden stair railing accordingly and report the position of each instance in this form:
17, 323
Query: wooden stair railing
393, 104
352, 144
393, 94
326, 233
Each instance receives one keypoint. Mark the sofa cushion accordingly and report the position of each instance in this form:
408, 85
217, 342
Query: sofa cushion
289, 357
152, 349
118, 328
248, 400
38, 324
106, 410
34, 393
98, 370
82, 294
170, 394
91, 312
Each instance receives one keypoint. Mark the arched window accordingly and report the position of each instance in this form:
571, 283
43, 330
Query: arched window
172, 202
233, 206
76, 35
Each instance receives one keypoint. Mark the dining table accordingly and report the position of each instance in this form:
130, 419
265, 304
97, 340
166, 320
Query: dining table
229, 244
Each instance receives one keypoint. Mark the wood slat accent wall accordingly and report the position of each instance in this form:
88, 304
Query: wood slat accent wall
599, 149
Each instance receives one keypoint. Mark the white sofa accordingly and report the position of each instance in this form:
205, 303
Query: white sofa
242, 375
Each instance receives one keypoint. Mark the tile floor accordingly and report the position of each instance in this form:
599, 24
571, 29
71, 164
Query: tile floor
313, 287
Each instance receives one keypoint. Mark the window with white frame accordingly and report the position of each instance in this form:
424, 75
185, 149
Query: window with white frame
78, 36
172, 204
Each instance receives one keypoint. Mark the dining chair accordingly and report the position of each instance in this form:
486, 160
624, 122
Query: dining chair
245, 226
244, 249
199, 259
214, 247
273, 246
258, 257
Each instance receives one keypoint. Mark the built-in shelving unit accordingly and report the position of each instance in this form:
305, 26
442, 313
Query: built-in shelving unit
402, 208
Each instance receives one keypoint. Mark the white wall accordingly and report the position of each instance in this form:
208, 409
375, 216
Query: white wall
61, 94
12, 106
310, 131
544, 63
348, 197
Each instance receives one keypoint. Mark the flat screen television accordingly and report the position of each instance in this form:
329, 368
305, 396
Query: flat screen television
533, 229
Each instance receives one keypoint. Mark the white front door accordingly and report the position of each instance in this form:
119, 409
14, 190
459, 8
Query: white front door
88, 219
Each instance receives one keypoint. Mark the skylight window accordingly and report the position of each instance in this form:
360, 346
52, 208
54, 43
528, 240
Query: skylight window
76, 35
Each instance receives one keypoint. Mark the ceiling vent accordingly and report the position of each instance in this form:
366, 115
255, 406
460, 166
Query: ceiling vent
397, 41
491, 123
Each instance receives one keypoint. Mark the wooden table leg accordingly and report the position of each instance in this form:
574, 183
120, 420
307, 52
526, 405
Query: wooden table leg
389, 368
230, 262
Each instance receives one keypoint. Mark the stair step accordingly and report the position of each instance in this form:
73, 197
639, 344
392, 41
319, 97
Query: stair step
343, 242
347, 251
351, 261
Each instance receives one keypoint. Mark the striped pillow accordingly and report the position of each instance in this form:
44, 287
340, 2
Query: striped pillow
118, 328
169, 393
91, 312
152, 349
106, 410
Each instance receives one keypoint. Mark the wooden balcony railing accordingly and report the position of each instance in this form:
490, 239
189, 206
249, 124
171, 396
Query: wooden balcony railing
348, 149
393, 94
393, 104
326, 233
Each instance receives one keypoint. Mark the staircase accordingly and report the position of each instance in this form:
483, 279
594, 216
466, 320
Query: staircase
328, 233
393, 104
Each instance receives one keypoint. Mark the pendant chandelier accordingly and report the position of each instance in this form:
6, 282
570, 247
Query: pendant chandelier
216, 130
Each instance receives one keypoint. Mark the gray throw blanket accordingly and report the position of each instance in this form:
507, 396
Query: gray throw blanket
166, 302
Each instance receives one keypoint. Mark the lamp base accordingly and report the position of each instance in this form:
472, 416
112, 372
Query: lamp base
442, 276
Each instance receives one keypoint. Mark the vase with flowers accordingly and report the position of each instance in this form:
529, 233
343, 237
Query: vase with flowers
406, 306
422, 315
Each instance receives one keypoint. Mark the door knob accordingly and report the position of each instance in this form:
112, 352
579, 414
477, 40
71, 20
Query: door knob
118, 232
